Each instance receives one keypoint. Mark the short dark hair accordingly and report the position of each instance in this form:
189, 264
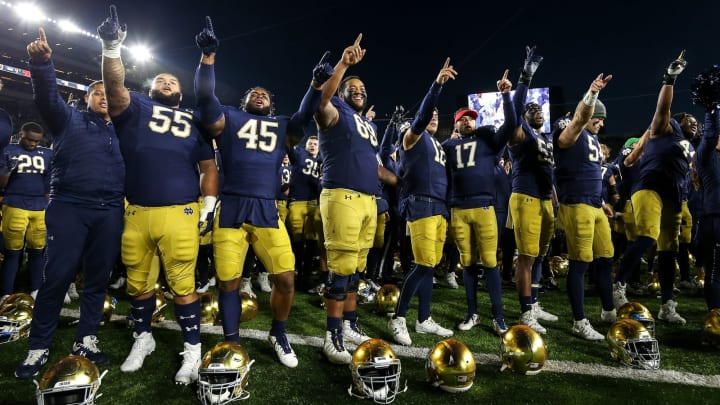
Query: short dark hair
679, 117
31, 127
343, 83
92, 85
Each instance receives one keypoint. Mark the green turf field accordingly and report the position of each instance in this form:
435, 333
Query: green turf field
578, 371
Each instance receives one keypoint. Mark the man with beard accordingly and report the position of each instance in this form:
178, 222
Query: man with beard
348, 144
84, 216
531, 205
657, 192
252, 142
471, 164
582, 212
167, 159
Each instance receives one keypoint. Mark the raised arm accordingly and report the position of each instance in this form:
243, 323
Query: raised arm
310, 101
637, 151
327, 115
52, 107
530, 65
113, 71
583, 112
511, 120
209, 107
660, 125
428, 106
391, 134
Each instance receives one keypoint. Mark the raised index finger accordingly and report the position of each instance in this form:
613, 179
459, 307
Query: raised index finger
113, 13
447, 63
505, 74
43, 38
208, 23
358, 39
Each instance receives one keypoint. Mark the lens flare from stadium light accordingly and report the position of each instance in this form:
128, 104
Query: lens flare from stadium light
141, 53
69, 26
29, 12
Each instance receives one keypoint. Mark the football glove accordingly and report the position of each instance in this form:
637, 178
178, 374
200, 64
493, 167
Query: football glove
207, 214
398, 115
323, 70
530, 65
112, 34
206, 39
676, 67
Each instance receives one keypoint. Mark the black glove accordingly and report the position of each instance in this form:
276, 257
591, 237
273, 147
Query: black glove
206, 39
530, 65
323, 70
398, 115
112, 34
676, 67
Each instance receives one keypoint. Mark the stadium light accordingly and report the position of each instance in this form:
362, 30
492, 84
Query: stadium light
67, 25
140, 53
29, 12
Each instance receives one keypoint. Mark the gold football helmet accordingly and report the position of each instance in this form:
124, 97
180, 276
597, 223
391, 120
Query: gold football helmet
637, 311
160, 305
631, 343
249, 307
654, 285
365, 295
108, 309
223, 374
450, 366
22, 298
522, 350
559, 266
711, 328
72, 380
387, 298
209, 309
15, 322
375, 372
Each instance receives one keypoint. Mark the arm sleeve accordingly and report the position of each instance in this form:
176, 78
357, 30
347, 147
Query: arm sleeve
52, 107
510, 123
427, 107
389, 138
208, 104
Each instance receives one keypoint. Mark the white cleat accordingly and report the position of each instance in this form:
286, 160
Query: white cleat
264, 282
619, 298
608, 316
334, 348
398, 328
432, 327
246, 286
143, 346
469, 323
72, 292
542, 315
190, 367
285, 353
452, 280
528, 318
352, 334
668, 313
583, 329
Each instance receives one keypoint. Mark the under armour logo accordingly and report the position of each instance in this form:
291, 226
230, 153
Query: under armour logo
186, 317
348, 197
194, 327
51, 237
129, 213
188, 211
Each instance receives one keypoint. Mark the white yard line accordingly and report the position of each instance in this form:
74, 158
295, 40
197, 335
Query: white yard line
554, 366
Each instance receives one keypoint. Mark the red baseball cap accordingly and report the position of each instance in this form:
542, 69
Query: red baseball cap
465, 112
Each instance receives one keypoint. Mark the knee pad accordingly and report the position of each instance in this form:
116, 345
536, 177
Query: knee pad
337, 287
353, 283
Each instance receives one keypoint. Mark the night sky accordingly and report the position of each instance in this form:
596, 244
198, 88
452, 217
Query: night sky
276, 44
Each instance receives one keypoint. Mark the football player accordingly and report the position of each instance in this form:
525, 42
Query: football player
348, 144
424, 190
25, 175
252, 141
582, 212
471, 161
656, 198
166, 158
708, 236
85, 213
531, 206
304, 214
